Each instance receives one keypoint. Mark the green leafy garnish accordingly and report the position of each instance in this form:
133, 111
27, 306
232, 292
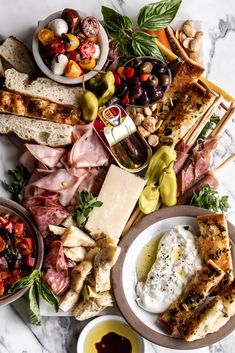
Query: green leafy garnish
210, 125
209, 198
86, 203
131, 42
20, 178
36, 288
158, 15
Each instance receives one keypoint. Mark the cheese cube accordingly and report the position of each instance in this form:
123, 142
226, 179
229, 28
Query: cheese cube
119, 194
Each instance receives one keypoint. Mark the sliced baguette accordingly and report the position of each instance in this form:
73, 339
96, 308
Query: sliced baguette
42, 132
17, 55
194, 294
212, 317
37, 108
214, 243
42, 87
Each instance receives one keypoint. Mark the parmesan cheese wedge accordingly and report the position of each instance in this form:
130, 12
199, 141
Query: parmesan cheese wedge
119, 194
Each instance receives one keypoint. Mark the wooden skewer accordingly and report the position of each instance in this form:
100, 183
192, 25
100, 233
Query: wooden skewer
221, 126
191, 140
224, 106
224, 164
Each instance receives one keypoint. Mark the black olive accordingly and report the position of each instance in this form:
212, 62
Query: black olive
155, 93
135, 92
161, 69
144, 99
167, 131
121, 90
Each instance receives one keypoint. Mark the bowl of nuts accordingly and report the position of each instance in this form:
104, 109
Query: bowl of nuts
142, 81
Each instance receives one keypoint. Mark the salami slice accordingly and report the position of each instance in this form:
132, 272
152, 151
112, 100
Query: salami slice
58, 281
55, 258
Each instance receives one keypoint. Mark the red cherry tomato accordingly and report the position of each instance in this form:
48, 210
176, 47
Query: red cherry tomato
90, 26
126, 99
144, 77
87, 50
118, 80
57, 46
129, 72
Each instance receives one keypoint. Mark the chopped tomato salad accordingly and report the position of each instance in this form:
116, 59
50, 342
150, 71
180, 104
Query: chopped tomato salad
16, 251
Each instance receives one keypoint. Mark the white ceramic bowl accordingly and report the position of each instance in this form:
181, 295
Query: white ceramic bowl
102, 41
94, 322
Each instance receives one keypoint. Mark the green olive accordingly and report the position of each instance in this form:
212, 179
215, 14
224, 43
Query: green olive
153, 81
164, 80
147, 67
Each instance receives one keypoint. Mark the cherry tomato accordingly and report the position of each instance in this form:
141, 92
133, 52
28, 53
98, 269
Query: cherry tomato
71, 41
90, 26
144, 77
57, 46
72, 18
73, 70
88, 64
129, 72
87, 50
45, 36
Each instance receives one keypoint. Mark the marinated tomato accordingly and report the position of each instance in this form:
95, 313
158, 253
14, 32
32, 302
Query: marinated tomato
16, 251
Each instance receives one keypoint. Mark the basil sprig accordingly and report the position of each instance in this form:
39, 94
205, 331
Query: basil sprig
158, 15
36, 288
151, 17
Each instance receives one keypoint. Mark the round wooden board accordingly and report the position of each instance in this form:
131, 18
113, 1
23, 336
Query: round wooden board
120, 294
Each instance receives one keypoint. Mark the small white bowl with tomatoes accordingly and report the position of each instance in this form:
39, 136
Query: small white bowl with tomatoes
21, 248
68, 45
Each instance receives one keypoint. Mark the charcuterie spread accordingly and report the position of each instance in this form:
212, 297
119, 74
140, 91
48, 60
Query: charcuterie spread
136, 136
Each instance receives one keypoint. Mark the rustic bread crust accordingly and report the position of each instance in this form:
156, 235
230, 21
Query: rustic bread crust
194, 294
214, 243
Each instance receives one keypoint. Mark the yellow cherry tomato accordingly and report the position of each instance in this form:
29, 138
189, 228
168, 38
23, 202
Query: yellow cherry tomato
71, 42
45, 36
120, 70
73, 70
88, 64
92, 39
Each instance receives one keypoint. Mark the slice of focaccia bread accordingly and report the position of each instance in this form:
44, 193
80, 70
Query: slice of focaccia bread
186, 113
36, 108
194, 294
17, 55
214, 243
212, 317
42, 87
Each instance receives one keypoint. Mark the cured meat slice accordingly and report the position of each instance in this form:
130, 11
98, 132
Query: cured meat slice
55, 258
182, 150
46, 155
28, 161
58, 281
207, 179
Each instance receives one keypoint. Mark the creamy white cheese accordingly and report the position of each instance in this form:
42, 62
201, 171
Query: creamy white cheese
177, 260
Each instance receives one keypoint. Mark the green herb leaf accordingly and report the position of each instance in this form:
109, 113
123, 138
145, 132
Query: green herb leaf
144, 45
158, 15
21, 283
20, 178
86, 203
210, 125
114, 20
35, 316
46, 293
209, 198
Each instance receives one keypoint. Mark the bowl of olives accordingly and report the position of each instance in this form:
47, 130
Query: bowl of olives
142, 81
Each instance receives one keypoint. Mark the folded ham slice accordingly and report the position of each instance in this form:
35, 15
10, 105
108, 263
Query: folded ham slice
47, 155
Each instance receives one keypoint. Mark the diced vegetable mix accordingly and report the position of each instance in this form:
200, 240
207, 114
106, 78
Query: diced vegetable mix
16, 251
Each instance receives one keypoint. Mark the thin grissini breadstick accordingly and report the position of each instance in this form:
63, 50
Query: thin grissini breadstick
224, 164
219, 129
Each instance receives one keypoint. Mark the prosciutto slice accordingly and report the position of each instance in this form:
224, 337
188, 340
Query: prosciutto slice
182, 152
47, 155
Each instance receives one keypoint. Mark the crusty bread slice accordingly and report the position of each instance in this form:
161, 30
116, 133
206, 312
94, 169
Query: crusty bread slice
42, 87
17, 55
212, 317
214, 243
194, 294
20, 104
40, 131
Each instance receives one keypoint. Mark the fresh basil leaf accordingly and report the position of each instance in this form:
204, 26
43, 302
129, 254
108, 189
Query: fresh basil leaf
46, 293
35, 316
158, 15
114, 20
144, 45
209, 198
21, 283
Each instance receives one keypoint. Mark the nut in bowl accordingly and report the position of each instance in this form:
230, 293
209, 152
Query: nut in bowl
143, 81
21, 248
68, 45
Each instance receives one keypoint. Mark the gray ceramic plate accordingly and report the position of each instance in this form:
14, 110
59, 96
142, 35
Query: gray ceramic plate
124, 276
15, 209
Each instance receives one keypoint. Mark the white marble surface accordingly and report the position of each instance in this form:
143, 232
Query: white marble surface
19, 17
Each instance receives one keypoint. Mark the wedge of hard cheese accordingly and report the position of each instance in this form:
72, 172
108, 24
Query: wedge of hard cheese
119, 195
